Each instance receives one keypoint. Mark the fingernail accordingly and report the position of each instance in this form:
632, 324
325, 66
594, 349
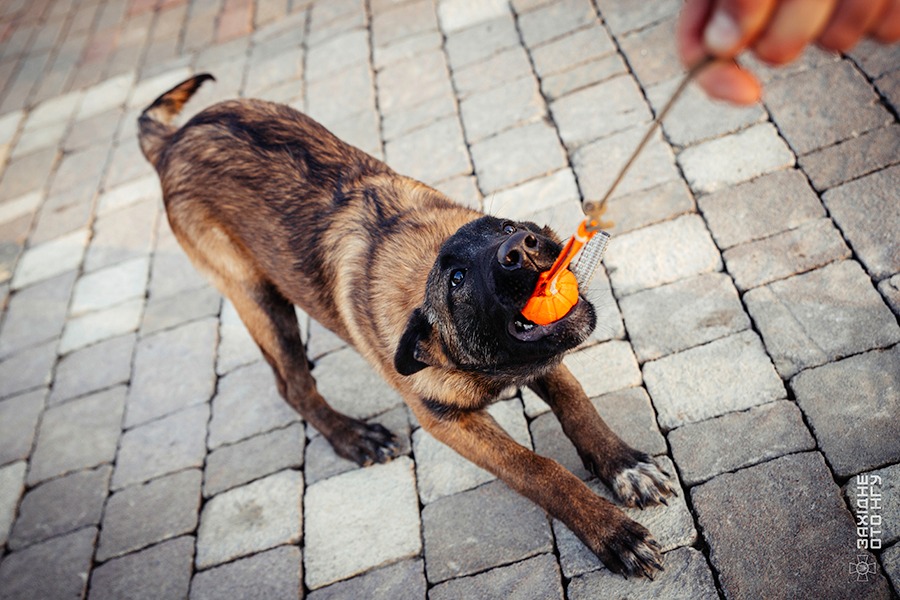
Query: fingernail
722, 34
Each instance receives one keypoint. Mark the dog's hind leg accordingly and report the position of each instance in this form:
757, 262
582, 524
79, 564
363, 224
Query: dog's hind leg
634, 476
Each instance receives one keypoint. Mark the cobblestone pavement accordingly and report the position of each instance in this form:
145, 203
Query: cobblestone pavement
748, 326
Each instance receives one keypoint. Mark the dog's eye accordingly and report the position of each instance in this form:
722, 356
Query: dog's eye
457, 277
508, 228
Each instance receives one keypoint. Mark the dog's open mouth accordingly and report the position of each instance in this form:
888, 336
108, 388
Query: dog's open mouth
526, 331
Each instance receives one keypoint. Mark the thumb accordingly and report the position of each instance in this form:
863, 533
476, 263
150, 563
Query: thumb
734, 24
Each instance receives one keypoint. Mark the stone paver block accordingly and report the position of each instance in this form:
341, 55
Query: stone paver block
479, 529
27, 369
76, 435
723, 376
50, 259
252, 518
360, 130
378, 522
253, 388
661, 254
272, 574
185, 356
18, 424
744, 515
737, 440
60, 506
351, 386
808, 247
604, 368
581, 76
430, 154
12, 483
406, 49
240, 463
163, 571
661, 203
96, 367
480, 42
890, 289
107, 287
821, 316
428, 71
487, 113
808, 123
652, 53
683, 314
170, 444
236, 345
868, 213
619, 100
128, 194
405, 21
285, 66
105, 96
852, 158
848, 404
509, 65
441, 471
455, 15
101, 325
172, 311
687, 577
890, 558
577, 48
525, 201
396, 125
172, 272
765, 206
145, 514
623, 16
718, 163
536, 577
463, 190
57, 568
27, 173
517, 155
555, 20
123, 234
672, 526
401, 581
861, 493
597, 164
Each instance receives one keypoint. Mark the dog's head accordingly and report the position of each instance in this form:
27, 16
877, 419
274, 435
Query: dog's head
471, 319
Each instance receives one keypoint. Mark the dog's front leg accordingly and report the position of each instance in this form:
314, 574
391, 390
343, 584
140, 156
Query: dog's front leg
622, 544
635, 477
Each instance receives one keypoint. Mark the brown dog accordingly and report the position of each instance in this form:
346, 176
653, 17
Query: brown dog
279, 212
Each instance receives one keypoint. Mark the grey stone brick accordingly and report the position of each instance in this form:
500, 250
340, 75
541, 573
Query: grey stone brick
713, 165
661, 254
536, 577
765, 206
808, 247
60, 506
50, 259
456, 15
860, 492
171, 272
480, 42
96, 367
360, 130
672, 526
161, 571
623, 16
488, 113
173, 443
808, 123
236, 345
406, 20
349, 91
27, 173
852, 158
648, 207
479, 529
507, 66
287, 65
845, 403
123, 234
145, 514
889, 88
890, 290
604, 368
581, 46
530, 199
248, 387
619, 100
172, 311
680, 315
57, 568
27, 369
397, 124
583, 75
723, 376
18, 424
517, 155
84, 330
252, 518
378, 523
874, 58
185, 355
821, 316
812, 57
352, 386
463, 190
77, 435
12, 478
555, 20
240, 463
743, 516
687, 577
275, 573
107, 287
890, 558
402, 581
652, 53
36, 314
430, 154
406, 49
404, 85
128, 194
868, 213
737, 440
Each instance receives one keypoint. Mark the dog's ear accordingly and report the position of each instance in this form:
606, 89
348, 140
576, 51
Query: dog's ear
418, 346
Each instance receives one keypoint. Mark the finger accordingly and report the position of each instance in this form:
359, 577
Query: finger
689, 31
734, 24
726, 81
794, 25
851, 20
888, 28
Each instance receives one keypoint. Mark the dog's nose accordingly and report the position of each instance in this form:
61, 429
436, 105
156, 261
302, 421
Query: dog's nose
511, 254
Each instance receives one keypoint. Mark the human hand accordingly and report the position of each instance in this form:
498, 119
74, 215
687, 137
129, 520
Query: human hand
776, 31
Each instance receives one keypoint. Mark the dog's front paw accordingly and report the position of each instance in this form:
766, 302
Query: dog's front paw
630, 550
643, 483
365, 443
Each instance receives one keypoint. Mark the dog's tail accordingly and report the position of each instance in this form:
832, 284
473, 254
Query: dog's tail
155, 123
